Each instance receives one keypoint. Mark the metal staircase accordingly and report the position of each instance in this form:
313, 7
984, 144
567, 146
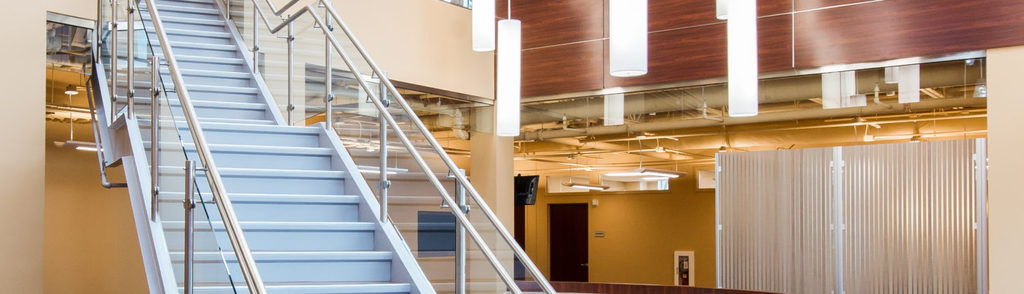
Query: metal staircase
230, 197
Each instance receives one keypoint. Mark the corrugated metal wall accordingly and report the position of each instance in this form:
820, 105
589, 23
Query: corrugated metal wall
895, 218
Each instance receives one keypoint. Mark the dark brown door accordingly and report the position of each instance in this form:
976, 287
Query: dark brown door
569, 243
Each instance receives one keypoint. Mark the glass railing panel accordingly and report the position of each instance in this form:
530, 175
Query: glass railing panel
215, 265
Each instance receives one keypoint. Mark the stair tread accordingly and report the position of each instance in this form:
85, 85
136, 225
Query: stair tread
199, 103
144, 122
261, 172
188, 20
211, 73
274, 198
285, 226
219, 47
292, 255
171, 7
299, 287
211, 59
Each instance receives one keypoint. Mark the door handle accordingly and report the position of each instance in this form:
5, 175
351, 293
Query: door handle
585, 264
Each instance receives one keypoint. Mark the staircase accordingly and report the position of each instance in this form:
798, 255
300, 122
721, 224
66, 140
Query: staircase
285, 209
307, 231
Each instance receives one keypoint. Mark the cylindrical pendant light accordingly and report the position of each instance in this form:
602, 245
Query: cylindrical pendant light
627, 38
722, 9
506, 112
483, 25
742, 38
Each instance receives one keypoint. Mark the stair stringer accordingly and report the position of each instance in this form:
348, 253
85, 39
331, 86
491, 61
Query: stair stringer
386, 236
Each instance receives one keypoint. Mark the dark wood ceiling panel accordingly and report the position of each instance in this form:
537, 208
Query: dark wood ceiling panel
548, 22
563, 69
905, 28
812, 4
675, 14
775, 43
681, 55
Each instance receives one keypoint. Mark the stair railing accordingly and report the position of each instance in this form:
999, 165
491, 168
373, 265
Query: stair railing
388, 119
247, 263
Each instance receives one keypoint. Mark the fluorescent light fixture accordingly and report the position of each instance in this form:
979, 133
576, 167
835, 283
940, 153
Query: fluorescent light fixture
614, 109
722, 9
77, 145
645, 172
653, 179
910, 83
71, 90
742, 40
627, 38
506, 108
483, 25
869, 138
587, 186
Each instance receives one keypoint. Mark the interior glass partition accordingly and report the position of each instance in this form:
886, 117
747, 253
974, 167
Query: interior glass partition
886, 218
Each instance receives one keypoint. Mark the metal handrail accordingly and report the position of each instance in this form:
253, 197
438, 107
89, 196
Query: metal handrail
234, 231
460, 178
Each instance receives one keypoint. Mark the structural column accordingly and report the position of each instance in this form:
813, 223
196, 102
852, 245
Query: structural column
491, 173
1006, 166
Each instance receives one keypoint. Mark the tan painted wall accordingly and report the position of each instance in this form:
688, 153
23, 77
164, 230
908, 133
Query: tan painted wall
91, 244
1006, 236
424, 42
642, 231
22, 199
77, 8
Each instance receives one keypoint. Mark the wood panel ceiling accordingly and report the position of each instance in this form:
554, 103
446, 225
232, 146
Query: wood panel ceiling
565, 42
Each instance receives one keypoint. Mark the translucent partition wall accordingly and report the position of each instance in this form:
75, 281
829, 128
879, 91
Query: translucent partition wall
893, 218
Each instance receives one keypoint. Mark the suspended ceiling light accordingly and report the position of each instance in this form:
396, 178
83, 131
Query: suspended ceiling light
909, 83
627, 38
645, 172
77, 145
722, 9
587, 186
742, 40
483, 25
506, 112
71, 90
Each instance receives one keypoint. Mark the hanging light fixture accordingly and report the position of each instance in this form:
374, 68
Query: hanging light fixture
909, 77
742, 40
722, 9
627, 38
614, 109
483, 25
980, 89
506, 106
71, 90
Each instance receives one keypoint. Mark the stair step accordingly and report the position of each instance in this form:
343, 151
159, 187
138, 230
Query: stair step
207, 256
220, 47
186, 20
236, 198
281, 236
198, 103
206, 59
165, 6
214, 73
145, 122
318, 288
261, 173
188, 1
285, 226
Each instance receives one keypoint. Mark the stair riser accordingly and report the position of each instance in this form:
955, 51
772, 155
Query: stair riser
277, 212
215, 136
269, 161
196, 4
223, 96
165, 12
203, 52
276, 240
203, 65
272, 185
214, 81
211, 112
290, 271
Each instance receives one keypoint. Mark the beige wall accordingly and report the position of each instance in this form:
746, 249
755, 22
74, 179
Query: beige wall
1006, 236
22, 199
642, 232
426, 42
91, 244
77, 8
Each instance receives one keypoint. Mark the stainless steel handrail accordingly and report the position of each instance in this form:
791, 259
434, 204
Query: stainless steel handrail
460, 178
234, 231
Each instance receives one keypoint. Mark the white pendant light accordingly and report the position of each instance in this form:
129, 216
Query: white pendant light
483, 25
722, 9
627, 38
742, 37
506, 112
614, 109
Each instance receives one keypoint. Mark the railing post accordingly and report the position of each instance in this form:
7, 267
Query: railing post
190, 205
113, 60
154, 132
328, 77
460, 241
384, 183
130, 91
255, 39
291, 69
